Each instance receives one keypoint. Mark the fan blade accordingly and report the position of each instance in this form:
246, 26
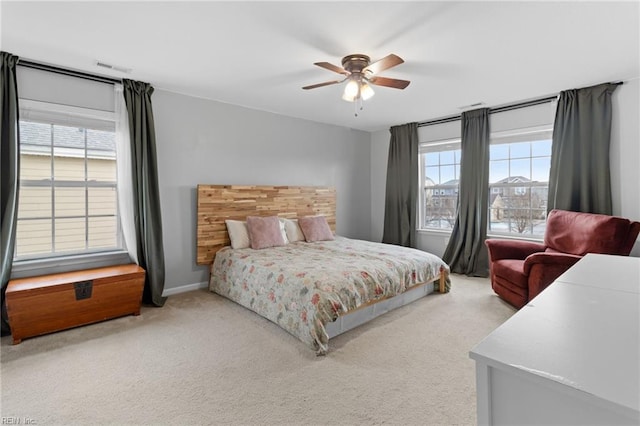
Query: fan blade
331, 67
389, 82
326, 83
385, 63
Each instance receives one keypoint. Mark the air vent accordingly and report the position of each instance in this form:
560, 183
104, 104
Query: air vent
477, 104
113, 67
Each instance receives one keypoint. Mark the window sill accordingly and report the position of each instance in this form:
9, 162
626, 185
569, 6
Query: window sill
434, 231
35, 267
516, 237
447, 232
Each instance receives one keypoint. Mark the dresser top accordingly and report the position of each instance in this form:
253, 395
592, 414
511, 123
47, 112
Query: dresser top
583, 331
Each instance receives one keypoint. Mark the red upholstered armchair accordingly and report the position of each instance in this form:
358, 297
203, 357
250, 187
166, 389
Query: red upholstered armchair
520, 270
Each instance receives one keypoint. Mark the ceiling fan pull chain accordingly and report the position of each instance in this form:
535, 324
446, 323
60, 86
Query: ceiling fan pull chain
358, 105
358, 101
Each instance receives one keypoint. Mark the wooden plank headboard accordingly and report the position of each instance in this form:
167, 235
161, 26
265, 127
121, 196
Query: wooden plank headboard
216, 203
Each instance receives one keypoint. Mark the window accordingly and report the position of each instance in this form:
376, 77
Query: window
440, 174
519, 166
68, 185
520, 160
518, 182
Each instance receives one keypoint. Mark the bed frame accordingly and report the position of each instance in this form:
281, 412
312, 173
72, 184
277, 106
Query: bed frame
217, 203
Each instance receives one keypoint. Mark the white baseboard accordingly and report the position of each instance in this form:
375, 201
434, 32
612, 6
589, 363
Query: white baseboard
184, 288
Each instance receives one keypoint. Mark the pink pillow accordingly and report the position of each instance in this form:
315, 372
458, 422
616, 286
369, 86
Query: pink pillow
315, 228
264, 232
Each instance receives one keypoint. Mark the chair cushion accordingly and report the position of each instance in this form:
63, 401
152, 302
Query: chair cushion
510, 271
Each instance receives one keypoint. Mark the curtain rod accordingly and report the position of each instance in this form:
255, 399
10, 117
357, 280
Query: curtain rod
509, 107
503, 108
69, 72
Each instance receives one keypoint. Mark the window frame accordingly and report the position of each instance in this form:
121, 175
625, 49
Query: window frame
513, 136
522, 134
423, 148
66, 115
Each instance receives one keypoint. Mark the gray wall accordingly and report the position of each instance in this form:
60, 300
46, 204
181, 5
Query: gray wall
625, 173
379, 157
38, 85
625, 153
203, 141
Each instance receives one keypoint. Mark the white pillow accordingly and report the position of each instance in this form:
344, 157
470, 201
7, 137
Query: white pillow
239, 234
283, 231
294, 233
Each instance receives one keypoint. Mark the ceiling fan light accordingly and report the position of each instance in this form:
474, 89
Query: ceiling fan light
348, 98
366, 91
351, 90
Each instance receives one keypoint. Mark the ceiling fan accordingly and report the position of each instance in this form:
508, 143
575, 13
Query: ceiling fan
360, 72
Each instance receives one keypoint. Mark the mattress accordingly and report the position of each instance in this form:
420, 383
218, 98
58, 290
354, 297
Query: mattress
303, 286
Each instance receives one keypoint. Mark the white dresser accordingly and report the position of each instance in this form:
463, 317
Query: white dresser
571, 356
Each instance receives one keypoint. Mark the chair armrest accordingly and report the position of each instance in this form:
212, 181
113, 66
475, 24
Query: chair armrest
558, 260
544, 268
512, 249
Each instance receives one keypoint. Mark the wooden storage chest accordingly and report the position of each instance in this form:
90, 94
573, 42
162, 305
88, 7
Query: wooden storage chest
48, 303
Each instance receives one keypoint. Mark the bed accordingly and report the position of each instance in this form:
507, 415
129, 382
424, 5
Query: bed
313, 290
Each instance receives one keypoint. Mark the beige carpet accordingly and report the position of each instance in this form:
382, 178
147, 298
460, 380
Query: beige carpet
202, 359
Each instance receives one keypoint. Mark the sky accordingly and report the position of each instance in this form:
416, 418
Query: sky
531, 160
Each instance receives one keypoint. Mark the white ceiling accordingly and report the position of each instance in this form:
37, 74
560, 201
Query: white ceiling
260, 54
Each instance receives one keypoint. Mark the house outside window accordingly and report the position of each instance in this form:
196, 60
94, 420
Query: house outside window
68, 183
519, 166
439, 179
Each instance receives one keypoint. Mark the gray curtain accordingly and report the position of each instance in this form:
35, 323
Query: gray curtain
402, 187
9, 171
580, 178
146, 197
466, 252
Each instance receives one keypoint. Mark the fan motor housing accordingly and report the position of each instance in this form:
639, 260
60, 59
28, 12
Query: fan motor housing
355, 63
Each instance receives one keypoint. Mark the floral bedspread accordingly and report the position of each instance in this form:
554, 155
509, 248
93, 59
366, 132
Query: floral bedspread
303, 286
